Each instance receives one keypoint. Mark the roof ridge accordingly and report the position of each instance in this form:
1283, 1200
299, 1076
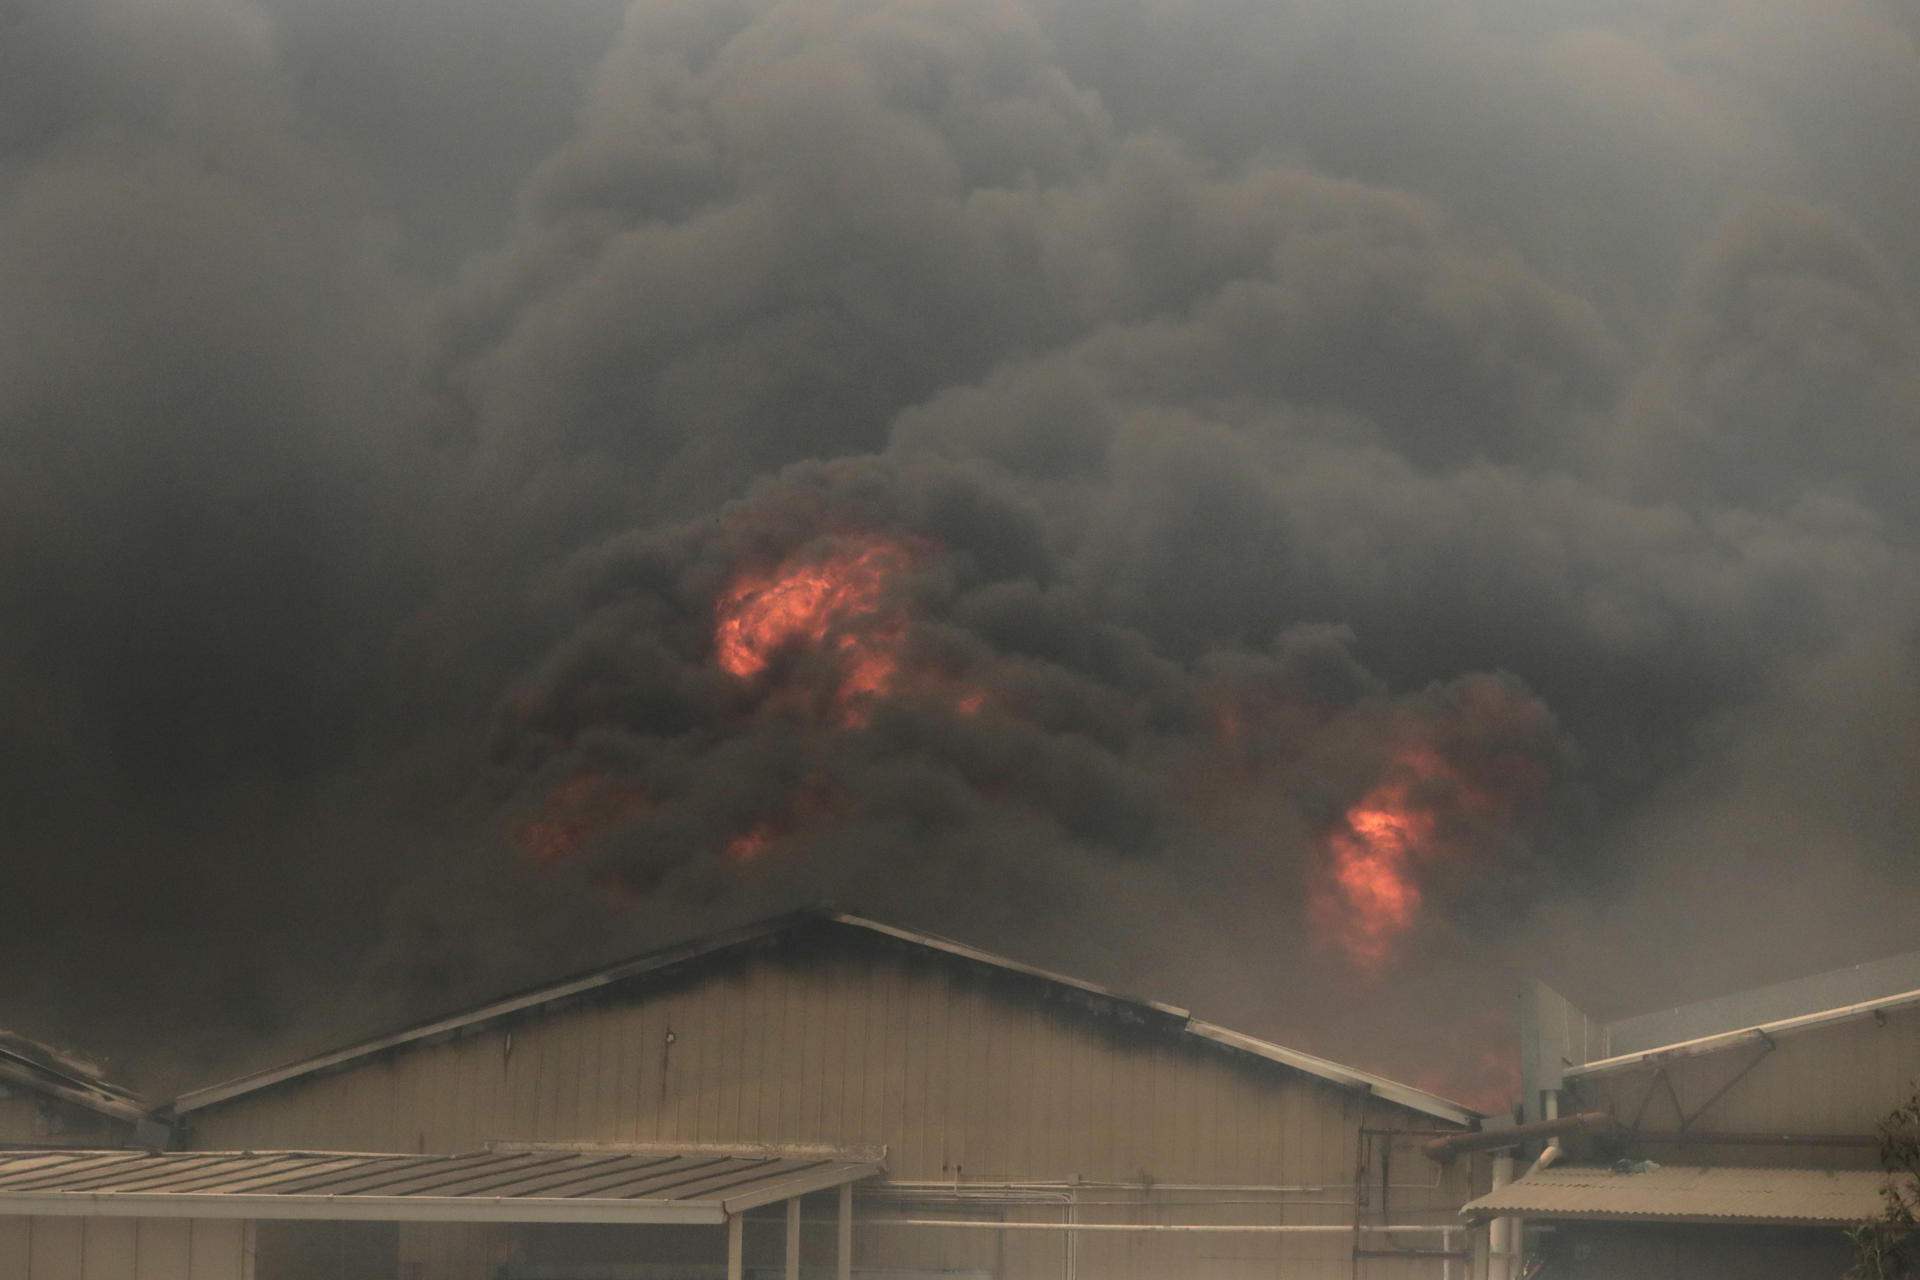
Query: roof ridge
533, 998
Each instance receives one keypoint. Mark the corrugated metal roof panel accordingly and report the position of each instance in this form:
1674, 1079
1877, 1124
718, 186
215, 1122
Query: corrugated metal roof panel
687, 1185
1780, 1197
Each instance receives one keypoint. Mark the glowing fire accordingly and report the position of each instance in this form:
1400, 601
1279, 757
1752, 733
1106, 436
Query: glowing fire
576, 813
1372, 896
837, 602
750, 844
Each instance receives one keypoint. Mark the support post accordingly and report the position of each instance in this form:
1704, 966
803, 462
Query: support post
843, 1266
793, 1238
1500, 1237
734, 1263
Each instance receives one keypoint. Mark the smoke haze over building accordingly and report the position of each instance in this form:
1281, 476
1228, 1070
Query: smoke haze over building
1303, 509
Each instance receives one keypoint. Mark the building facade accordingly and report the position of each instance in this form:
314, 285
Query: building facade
1031, 1125
1734, 1137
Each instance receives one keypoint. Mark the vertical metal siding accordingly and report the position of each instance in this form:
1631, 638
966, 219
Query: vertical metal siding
959, 1074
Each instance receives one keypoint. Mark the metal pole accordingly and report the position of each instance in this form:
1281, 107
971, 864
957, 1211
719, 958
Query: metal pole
844, 1265
793, 1238
733, 1247
1500, 1236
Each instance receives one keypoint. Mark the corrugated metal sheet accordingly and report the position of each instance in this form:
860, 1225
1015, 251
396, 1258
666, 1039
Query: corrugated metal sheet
1781, 1197
572, 990
522, 1185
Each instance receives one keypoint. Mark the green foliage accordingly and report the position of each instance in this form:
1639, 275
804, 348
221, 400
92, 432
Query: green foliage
1888, 1247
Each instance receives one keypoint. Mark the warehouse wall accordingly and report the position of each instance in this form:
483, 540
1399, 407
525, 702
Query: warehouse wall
1840, 1079
29, 1119
124, 1249
964, 1075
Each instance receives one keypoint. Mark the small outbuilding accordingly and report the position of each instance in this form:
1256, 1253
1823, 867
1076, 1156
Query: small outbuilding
1734, 1137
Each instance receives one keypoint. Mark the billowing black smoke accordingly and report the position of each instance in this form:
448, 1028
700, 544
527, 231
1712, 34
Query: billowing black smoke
1261, 417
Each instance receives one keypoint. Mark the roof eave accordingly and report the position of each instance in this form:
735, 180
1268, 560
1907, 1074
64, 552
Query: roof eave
1745, 1035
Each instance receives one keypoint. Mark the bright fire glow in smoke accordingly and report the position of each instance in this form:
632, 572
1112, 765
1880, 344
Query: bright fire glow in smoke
576, 814
1372, 896
837, 602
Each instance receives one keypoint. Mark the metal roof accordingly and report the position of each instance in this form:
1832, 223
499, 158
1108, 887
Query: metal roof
1775, 1197
1749, 1035
42, 1069
520, 1184
1839, 988
1150, 1012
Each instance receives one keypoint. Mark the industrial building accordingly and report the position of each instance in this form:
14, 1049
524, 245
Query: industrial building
1733, 1137
816, 1095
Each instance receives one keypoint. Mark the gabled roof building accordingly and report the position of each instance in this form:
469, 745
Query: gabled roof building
832, 1096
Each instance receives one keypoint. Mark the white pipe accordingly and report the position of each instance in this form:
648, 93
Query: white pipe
1500, 1235
1255, 1228
1063, 1192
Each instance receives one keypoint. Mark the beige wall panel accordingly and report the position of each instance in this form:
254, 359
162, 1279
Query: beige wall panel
1838, 1079
166, 1249
16, 1118
219, 1251
16, 1241
56, 1249
455, 1251
110, 1249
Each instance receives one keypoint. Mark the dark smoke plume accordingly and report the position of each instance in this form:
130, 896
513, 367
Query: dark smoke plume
1141, 485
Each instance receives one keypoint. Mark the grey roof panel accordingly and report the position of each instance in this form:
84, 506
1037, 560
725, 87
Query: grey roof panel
1779, 1197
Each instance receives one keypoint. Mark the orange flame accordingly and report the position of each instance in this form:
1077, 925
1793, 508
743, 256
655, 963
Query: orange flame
839, 601
1489, 1081
1372, 896
750, 844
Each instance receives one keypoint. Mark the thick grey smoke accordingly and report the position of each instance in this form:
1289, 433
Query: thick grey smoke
1259, 411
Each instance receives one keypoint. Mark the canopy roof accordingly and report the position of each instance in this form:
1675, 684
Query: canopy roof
689, 1185
1771, 1197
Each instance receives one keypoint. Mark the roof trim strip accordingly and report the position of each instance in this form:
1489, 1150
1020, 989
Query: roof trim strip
1745, 1035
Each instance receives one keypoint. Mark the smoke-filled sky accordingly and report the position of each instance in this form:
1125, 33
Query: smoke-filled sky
1310, 510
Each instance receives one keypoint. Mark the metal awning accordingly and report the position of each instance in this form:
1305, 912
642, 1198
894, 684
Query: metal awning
1760, 1197
526, 1184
